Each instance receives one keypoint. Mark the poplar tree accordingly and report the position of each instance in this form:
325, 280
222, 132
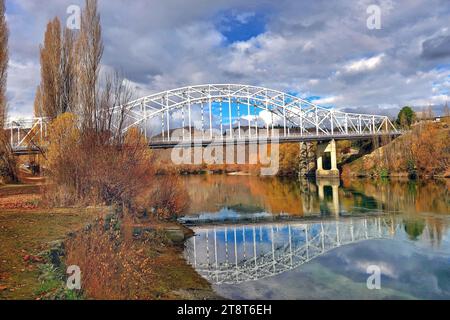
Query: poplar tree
51, 78
8, 169
3, 62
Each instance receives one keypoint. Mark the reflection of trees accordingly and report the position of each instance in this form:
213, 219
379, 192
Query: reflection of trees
405, 196
412, 198
245, 194
281, 195
430, 229
414, 229
434, 231
210, 193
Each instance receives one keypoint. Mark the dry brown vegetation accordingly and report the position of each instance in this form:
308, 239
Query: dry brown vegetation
289, 157
8, 170
424, 152
89, 160
87, 167
119, 263
3, 62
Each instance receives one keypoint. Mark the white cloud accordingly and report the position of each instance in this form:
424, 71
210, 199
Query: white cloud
327, 101
244, 17
364, 64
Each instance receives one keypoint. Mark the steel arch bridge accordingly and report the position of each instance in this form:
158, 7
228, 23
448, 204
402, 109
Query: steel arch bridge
232, 112
225, 112
240, 253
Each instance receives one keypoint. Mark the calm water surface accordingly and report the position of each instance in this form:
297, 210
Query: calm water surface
267, 238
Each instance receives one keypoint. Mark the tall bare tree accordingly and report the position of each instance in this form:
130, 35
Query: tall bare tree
68, 71
8, 168
90, 52
115, 92
3, 62
51, 70
446, 110
37, 106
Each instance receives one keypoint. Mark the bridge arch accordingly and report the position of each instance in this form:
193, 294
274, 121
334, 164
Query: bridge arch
233, 112
223, 110
234, 254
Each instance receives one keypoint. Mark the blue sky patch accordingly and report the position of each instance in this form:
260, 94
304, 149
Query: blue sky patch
241, 26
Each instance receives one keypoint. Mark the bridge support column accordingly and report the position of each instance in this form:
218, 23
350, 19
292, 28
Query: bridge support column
334, 184
322, 149
307, 159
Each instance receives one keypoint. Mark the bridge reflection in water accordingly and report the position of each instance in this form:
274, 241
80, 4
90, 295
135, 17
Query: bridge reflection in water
239, 253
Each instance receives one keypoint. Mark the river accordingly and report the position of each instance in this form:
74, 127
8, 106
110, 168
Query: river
271, 238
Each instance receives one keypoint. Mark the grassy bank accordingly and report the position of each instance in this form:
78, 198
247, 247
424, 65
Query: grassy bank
24, 235
27, 232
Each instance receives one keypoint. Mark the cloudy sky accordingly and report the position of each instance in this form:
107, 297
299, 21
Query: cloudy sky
321, 50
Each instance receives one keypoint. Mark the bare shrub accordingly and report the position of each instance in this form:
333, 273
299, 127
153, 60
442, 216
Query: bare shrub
91, 167
168, 198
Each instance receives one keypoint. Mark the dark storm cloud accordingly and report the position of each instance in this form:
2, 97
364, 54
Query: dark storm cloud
436, 48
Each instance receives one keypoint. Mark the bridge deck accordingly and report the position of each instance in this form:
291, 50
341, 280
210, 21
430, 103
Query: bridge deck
160, 144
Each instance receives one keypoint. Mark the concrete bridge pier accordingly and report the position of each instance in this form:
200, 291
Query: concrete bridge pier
322, 149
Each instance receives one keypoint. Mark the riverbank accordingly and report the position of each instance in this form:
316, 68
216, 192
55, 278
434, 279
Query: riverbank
125, 260
423, 152
24, 235
27, 262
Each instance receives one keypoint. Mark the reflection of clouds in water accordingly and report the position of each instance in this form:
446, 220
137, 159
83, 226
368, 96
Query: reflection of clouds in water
224, 215
366, 257
411, 273
387, 270
405, 267
411, 269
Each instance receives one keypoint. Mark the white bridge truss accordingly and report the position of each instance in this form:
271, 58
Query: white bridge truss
26, 133
233, 112
237, 254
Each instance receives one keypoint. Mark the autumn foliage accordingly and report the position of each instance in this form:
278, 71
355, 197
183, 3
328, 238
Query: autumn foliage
93, 167
423, 152
3, 62
430, 148
289, 159
8, 170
